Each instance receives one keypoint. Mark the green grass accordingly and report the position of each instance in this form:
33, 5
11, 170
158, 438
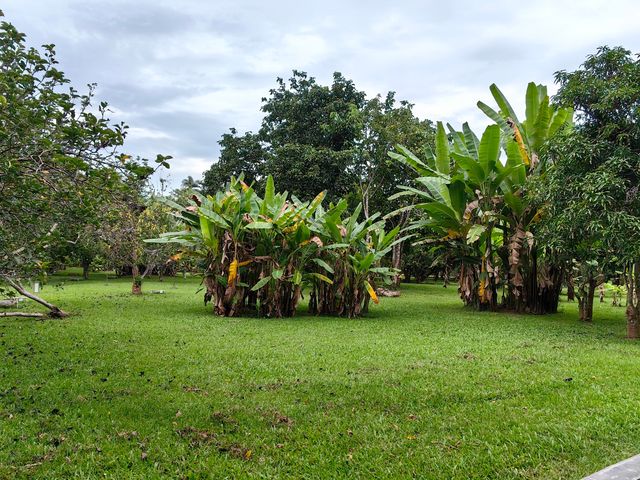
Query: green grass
156, 386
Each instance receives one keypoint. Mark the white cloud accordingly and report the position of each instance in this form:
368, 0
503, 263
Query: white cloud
182, 73
141, 133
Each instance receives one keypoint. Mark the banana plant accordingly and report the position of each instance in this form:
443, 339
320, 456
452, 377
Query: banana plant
542, 121
354, 250
460, 189
532, 287
216, 228
261, 253
284, 250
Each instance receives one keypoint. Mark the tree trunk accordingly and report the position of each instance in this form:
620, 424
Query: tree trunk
396, 262
541, 285
54, 311
136, 286
85, 269
585, 299
571, 289
632, 279
396, 252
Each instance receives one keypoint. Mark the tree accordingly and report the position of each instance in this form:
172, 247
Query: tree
311, 133
59, 162
600, 161
190, 183
534, 277
477, 203
386, 123
238, 155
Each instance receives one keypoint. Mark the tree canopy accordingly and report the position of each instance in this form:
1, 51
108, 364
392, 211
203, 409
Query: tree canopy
59, 159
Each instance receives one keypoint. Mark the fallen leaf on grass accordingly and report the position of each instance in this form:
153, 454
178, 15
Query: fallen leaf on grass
195, 390
196, 437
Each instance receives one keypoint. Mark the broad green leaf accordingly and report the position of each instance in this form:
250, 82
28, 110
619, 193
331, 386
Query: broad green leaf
436, 188
495, 116
323, 264
474, 233
458, 141
489, 150
270, 190
261, 283
505, 107
260, 225
442, 149
471, 167
470, 139
213, 217
532, 101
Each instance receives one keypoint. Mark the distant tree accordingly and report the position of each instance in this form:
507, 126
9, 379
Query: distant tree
190, 183
311, 133
385, 124
239, 154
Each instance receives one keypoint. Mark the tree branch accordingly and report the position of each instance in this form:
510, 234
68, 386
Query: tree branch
22, 314
54, 311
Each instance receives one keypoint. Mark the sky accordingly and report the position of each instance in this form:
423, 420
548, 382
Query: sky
180, 73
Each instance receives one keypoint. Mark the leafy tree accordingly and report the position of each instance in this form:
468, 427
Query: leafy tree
386, 123
592, 190
190, 183
59, 162
311, 132
238, 155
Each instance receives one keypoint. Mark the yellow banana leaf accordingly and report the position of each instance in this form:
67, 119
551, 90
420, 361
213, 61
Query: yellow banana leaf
372, 292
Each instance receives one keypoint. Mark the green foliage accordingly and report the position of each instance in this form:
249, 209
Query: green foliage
60, 164
262, 252
386, 123
597, 220
238, 155
473, 194
600, 159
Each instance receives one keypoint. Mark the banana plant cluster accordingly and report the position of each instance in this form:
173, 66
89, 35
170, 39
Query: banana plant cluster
473, 193
354, 250
261, 253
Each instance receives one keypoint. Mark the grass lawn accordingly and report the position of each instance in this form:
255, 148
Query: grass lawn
157, 386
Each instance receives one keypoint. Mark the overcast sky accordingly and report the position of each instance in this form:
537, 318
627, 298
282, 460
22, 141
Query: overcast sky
182, 72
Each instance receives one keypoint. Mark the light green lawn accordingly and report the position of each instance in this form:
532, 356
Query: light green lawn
156, 386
